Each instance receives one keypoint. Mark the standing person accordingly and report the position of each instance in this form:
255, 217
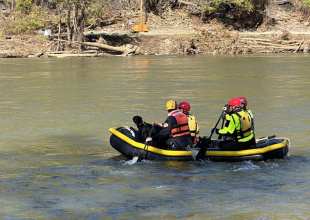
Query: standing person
185, 107
238, 127
175, 129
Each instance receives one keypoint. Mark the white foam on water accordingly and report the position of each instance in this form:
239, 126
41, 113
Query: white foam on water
132, 161
270, 164
245, 166
162, 187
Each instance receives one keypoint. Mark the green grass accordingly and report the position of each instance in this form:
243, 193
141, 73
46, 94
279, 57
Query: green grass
306, 3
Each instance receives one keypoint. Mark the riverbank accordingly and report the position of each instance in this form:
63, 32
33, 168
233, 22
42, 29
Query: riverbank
175, 32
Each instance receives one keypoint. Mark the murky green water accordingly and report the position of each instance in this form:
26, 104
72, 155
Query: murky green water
56, 161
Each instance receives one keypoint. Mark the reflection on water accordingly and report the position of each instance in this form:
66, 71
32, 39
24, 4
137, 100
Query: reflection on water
56, 161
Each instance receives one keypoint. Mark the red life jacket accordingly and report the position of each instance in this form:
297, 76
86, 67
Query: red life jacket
181, 129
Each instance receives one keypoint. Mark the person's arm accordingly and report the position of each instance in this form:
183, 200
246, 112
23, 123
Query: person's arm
197, 127
164, 133
229, 126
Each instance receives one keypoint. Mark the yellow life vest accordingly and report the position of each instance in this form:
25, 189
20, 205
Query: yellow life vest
246, 129
193, 125
245, 121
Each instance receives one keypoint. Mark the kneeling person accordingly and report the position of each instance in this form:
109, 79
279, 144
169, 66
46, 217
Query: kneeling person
185, 107
175, 129
238, 129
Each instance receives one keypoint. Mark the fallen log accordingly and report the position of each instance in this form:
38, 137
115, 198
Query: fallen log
269, 44
271, 47
107, 33
125, 50
104, 46
274, 45
64, 55
258, 40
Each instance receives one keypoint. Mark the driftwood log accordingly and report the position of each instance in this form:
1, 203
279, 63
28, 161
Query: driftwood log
124, 50
272, 45
64, 55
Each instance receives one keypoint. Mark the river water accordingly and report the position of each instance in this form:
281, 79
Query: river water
56, 161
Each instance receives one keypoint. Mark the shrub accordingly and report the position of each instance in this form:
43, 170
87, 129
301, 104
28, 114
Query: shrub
240, 14
19, 22
246, 5
306, 3
24, 6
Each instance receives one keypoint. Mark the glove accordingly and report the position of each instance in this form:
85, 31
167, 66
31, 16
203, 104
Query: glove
148, 140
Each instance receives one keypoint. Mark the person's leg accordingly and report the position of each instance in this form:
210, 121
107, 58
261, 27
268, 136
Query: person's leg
228, 145
249, 144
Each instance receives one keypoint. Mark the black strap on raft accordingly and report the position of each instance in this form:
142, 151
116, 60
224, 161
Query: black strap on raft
146, 146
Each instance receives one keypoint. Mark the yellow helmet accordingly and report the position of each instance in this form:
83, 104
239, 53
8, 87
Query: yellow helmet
171, 105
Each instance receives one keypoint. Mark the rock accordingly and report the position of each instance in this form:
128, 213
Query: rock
101, 40
284, 35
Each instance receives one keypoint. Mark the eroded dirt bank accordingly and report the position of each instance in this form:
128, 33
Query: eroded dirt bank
285, 30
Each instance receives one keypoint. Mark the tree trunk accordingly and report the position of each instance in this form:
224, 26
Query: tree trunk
81, 25
12, 5
69, 28
59, 31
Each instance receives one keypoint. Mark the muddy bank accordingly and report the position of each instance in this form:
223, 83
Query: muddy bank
23, 46
174, 33
205, 41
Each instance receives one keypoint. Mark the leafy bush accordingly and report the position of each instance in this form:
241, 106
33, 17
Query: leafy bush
217, 5
20, 23
237, 13
306, 3
24, 6
98, 11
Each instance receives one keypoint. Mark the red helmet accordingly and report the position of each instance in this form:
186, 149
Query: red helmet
185, 106
234, 102
243, 101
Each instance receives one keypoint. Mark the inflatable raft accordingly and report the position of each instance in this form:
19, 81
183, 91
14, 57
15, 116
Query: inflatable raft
123, 140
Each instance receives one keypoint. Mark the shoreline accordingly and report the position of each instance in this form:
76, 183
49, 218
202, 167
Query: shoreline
205, 42
284, 29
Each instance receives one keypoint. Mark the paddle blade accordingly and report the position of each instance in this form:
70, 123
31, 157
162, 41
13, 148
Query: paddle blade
195, 152
201, 154
132, 161
202, 145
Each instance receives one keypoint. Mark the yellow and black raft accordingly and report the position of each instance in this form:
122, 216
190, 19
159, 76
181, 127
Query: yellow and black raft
123, 140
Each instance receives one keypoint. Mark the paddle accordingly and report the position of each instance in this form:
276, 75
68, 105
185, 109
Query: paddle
205, 142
